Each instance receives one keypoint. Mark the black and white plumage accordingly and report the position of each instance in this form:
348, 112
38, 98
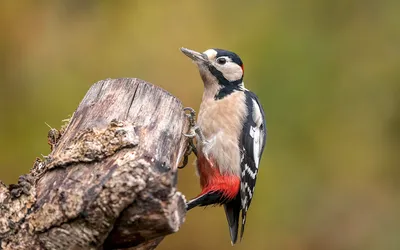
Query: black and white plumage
233, 136
252, 140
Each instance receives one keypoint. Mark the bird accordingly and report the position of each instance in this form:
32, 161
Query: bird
230, 136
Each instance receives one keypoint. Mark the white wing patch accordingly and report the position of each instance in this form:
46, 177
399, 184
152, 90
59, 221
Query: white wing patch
257, 117
256, 133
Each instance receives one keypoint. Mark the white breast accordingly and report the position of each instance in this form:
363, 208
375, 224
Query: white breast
221, 122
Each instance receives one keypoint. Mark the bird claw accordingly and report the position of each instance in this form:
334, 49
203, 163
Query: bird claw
194, 130
192, 134
191, 116
189, 149
192, 123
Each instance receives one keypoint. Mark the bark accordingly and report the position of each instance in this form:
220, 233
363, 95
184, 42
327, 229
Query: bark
110, 180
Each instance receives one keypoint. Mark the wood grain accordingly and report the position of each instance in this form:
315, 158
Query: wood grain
110, 180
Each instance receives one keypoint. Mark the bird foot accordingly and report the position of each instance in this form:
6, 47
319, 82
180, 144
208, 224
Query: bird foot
194, 130
192, 134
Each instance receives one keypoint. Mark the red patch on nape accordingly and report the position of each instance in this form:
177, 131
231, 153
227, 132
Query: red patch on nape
242, 66
212, 180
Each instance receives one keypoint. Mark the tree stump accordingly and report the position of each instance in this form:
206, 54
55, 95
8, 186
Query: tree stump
110, 180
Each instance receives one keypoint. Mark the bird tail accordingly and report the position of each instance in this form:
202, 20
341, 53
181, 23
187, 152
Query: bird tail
205, 200
232, 211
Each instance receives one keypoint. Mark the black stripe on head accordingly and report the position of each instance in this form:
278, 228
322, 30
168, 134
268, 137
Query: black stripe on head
221, 79
235, 58
228, 87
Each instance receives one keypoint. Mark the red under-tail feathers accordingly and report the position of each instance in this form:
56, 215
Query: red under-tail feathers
212, 180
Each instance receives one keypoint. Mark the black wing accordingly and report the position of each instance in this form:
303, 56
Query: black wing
252, 143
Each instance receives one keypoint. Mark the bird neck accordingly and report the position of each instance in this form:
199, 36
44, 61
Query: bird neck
226, 90
211, 90
217, 87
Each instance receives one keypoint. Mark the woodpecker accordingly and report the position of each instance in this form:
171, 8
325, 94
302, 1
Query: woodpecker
230, 135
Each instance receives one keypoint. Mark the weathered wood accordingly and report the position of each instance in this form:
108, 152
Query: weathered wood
110, 180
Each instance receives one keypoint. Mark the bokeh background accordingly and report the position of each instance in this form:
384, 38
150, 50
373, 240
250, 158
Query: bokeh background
326, 72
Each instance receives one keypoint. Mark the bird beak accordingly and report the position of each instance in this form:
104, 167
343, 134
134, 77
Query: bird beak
195, 56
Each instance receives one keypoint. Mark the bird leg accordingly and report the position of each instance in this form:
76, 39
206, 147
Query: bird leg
194, 130
205, 145
190, 147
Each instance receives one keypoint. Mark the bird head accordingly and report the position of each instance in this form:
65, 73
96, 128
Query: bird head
217, 66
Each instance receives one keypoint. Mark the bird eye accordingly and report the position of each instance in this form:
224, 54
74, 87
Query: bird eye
221, 60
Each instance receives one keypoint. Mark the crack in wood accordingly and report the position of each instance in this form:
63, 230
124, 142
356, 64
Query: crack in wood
95, 190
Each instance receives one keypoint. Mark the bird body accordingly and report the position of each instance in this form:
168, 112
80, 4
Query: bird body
232, 139
221, 122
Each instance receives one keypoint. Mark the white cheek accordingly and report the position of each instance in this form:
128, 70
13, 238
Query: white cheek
231, 71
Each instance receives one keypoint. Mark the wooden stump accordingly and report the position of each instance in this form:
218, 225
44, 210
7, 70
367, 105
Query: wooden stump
110, 180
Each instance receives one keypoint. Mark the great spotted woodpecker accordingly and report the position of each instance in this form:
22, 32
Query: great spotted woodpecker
230, 134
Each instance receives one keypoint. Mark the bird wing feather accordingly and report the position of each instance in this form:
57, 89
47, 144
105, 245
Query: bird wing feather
252, 143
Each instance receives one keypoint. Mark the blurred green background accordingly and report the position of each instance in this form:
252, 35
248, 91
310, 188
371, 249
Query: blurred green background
326, 72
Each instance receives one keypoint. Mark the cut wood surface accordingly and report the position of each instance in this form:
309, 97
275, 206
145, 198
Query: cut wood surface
110, 180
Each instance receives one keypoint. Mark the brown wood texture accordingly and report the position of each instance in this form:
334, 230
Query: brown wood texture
110, 180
